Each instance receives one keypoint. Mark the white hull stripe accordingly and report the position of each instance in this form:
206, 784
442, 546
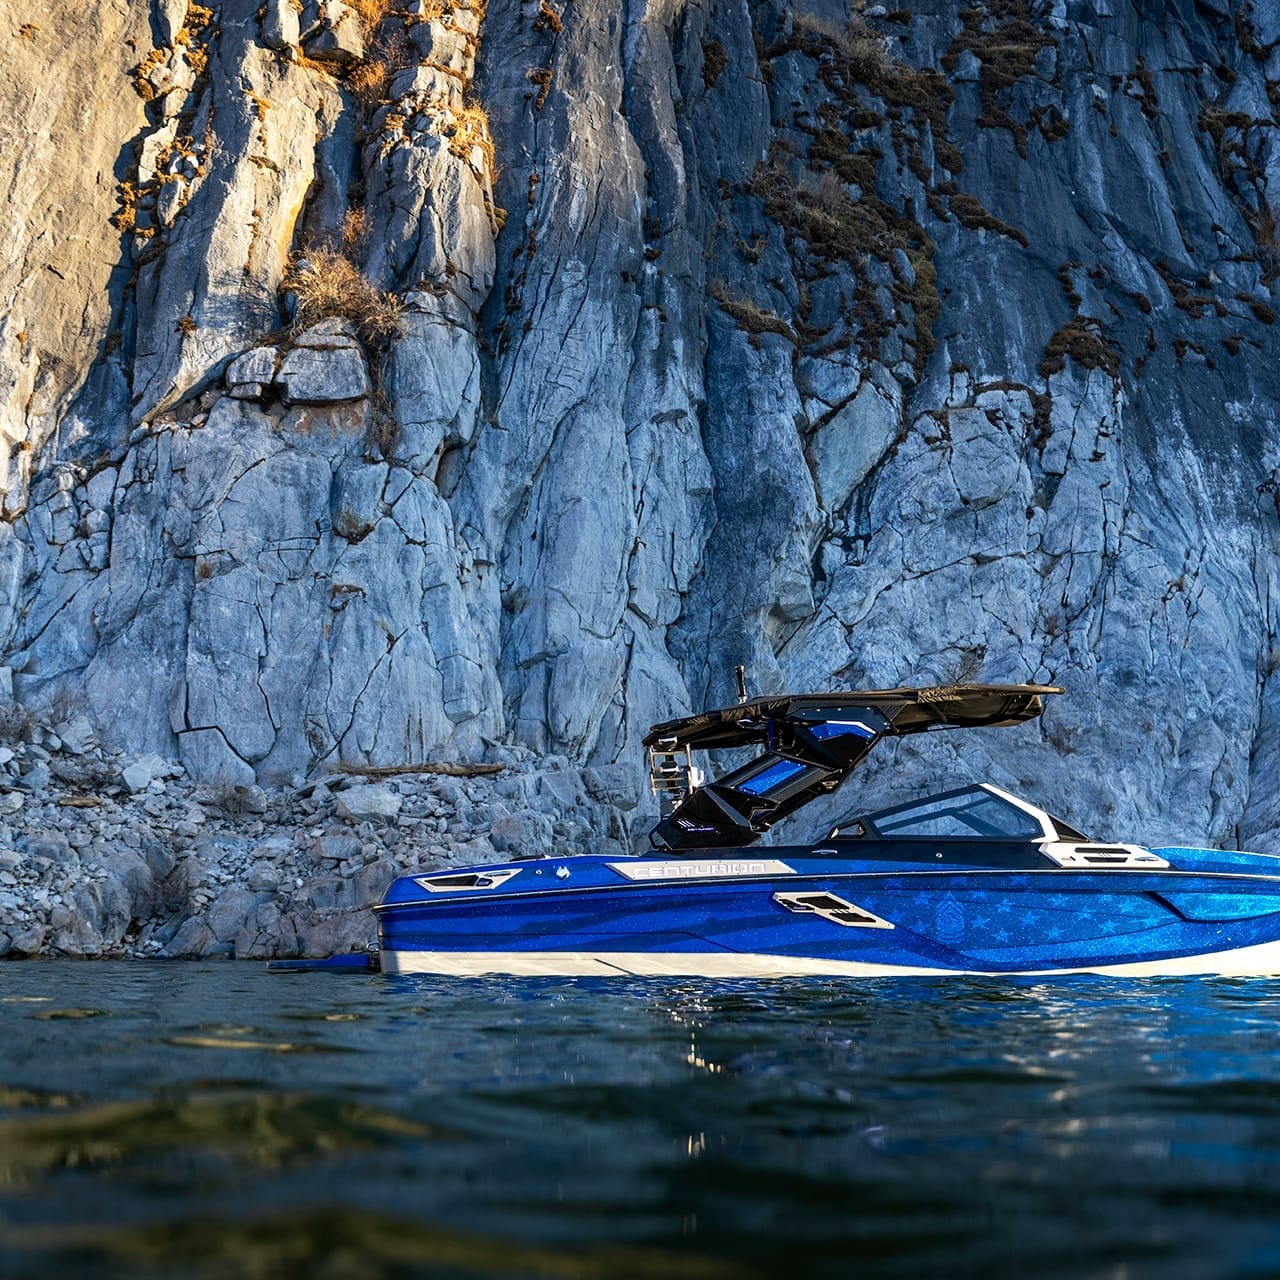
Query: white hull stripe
1262, 959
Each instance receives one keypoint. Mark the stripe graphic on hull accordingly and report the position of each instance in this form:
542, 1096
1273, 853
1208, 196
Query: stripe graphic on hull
1259, 960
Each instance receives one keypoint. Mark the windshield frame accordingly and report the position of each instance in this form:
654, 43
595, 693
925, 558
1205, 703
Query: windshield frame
864, 826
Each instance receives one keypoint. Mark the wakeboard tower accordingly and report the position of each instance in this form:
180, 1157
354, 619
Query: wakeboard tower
809, 744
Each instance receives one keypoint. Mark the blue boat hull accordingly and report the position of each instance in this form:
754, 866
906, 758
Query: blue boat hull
1215, 914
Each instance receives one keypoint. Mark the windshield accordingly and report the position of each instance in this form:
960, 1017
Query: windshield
973, 811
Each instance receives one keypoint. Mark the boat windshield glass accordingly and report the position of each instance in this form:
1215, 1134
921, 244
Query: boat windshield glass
971, 812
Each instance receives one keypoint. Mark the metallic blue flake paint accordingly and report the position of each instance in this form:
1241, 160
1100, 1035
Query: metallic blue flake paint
972, 880
944, 919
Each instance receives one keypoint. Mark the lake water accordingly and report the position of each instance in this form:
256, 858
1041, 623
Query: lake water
209, 1120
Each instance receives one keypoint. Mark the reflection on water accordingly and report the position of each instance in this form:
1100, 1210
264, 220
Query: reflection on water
211, 1120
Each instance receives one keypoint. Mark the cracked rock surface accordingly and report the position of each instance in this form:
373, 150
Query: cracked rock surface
862, 348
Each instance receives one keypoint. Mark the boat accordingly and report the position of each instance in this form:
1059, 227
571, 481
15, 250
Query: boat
972, 880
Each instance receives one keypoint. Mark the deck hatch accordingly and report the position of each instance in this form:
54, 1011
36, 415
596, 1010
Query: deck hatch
832, 908
466, 881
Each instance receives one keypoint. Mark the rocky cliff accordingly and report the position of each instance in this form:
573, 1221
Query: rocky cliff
383, 381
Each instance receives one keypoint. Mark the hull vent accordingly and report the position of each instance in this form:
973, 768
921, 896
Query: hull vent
466, 881
829, 907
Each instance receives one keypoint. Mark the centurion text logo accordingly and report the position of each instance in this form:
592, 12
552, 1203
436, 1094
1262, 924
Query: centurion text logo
685, 870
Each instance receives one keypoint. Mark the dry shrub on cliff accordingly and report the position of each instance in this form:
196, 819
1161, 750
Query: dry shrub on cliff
327, 283
858, 49
548, 20
370, 13
752, 319
16, 722
825, 192
809, 27
355, 231
368, 81
542, 77
864, 53
1268, 240
1081, 339
387, 50
973, 215
471, 129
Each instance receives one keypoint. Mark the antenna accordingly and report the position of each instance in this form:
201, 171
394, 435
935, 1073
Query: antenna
741, 673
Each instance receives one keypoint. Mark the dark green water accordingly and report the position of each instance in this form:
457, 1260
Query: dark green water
209, 1120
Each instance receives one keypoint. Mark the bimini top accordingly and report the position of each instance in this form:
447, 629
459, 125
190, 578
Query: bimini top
811, 742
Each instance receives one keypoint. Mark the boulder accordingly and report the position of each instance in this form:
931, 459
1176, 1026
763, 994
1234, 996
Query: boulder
337, 934
280, 26
229, 911
371, 881
267, 934
103, 911
522, 835
327, 893
339, 39
29, 941
54, 846
338, 848
137, 776
248, 374
132, 874
310, 375
71, 930
561, 788
368, 802
36, 779
77, 735
327, 334
617, 785
194, 939
264, 877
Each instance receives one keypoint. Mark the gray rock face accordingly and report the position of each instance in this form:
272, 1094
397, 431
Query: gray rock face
60, 267
906, 349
